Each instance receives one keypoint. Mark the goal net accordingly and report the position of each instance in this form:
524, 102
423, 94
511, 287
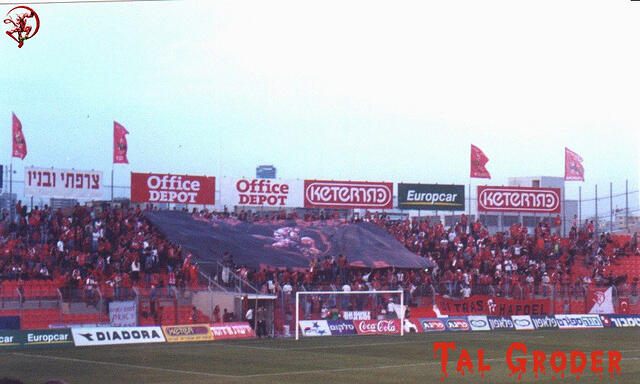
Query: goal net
337, 313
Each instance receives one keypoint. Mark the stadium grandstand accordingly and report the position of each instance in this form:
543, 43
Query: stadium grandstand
65, 268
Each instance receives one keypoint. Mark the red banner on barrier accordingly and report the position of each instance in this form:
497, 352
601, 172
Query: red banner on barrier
377, 327
495, 306
165, 188
232, 331
347, 194
517, 199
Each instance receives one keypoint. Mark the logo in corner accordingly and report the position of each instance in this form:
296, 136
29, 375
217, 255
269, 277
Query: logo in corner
24, 24
87, 336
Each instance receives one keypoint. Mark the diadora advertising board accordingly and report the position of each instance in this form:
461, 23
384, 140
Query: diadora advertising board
519, 199
276, 193
166, 188
87, 336
348, 194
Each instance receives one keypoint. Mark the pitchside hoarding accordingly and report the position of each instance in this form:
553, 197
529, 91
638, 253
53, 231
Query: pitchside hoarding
261, 192
348, 194
63, 183
87, 336
174, 189
225, 331
433, 197
46, 337
519, 199
185, 333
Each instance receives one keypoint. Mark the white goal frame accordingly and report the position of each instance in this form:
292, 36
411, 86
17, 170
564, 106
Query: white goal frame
307, 293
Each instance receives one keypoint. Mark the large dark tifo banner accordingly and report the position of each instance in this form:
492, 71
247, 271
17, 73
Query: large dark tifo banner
165, 188
284, 243
519, 199
496, 306
433, 197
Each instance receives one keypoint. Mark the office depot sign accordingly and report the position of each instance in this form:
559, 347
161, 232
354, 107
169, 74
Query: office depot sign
261, 192
518, 199
165, 188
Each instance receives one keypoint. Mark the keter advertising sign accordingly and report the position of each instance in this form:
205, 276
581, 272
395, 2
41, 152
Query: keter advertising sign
348, 194
261, 192
519, 199
63, 183
431, 197
173, 189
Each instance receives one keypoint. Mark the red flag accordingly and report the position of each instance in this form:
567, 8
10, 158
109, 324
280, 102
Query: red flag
623, 305
17, 138
119, 144
478, 161
573, 169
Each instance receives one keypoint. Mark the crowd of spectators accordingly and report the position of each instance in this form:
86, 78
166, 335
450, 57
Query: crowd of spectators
83, 249
466, 260
87, 248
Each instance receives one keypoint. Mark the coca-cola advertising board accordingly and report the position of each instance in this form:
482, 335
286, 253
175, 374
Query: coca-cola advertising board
519, 199
278, 193
377, 327
63, 183
348, 194
174, 189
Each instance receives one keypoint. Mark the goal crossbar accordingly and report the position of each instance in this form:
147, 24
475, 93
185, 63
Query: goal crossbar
311, 293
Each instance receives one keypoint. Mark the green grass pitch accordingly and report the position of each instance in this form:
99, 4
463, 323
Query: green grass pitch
353, 359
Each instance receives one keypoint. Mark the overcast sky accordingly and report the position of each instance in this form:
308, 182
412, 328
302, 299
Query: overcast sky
360, 90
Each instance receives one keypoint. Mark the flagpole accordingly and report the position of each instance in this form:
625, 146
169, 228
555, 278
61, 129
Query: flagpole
11, 205
111, 183
113, 158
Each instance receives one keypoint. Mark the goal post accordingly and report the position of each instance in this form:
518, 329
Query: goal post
341, 300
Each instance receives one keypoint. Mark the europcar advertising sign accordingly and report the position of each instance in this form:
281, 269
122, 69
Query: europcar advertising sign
35, 337
433, 197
